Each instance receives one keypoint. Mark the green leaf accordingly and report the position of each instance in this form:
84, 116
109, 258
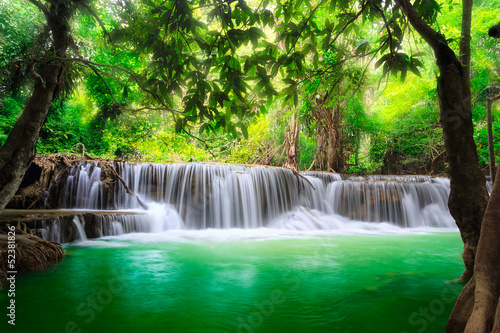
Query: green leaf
257, 31
290, 82
379, 62
385, 68
415, 70
417, 62
163, 89
404, 71
331, 8
361, 47
418, 54
307, 49
178, 125
244, 131
202, 128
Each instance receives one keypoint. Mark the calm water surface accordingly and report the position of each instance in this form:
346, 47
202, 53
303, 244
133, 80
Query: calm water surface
209, 281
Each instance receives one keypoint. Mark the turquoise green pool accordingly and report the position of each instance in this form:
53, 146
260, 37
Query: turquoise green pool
316, 283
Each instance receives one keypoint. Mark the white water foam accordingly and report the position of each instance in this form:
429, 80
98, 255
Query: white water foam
300, 223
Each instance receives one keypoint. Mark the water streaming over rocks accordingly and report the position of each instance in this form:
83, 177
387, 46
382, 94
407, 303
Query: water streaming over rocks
201, 196
83, 225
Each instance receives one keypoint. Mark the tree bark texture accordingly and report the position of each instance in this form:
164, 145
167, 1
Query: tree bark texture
334, 155
19, 149
468, 195
329, 125
292, 144
477, 308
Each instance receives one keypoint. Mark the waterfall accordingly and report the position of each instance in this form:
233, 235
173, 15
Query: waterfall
79, 227
201, 195
407, 204
489, 186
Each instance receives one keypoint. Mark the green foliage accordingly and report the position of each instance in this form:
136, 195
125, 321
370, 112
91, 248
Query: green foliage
21, 40
232, 73
307, 151
481, 138
63, 129
252, 148
406, 134
10, 109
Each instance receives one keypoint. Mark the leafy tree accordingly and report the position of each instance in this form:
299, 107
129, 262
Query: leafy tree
18, 150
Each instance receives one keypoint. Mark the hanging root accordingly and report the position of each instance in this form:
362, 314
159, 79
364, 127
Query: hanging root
32, 253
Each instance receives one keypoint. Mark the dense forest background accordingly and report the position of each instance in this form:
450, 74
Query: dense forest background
339, 111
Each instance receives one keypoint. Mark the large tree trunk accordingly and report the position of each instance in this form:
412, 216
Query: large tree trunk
292, 144
477, 308
334, 159
329, 123
468, 196
19, 149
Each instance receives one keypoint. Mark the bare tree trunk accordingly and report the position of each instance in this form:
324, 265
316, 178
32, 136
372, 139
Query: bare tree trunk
322, 146
468, 195
19, 149
477, 308
329, 123
335, 161
292, 144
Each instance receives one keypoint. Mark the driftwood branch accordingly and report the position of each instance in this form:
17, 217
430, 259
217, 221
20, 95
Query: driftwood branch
297, 174
129, 191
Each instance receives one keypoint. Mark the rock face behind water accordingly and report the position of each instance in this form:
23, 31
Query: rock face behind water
44, 185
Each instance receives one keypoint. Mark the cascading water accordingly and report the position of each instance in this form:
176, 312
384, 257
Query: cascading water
201, 196
407, 204
83, 225
81, 232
